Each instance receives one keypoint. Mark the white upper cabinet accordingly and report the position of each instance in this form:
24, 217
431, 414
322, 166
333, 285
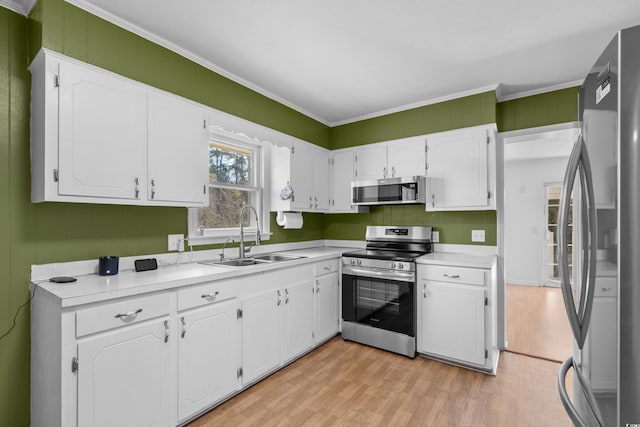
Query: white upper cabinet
371, 162
406, 157
342, 173
599, 130
102, 134
461, 170
391, 159
305, 168
178, 151
97, 137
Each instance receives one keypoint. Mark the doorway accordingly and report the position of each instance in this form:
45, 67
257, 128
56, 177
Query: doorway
534, 166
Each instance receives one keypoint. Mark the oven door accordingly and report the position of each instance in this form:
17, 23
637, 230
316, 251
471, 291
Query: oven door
380, 302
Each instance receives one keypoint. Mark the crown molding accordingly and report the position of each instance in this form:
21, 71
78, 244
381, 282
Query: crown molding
123, 23
492, 87
23, 7
539, 91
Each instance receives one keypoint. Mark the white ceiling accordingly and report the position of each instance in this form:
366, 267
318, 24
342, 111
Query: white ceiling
338, 61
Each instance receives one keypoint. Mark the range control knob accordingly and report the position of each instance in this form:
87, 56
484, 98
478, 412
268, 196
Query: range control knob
359, 262
393, 265
400, 266
353, 262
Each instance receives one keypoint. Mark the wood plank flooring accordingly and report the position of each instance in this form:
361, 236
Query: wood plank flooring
348, 384
537, 323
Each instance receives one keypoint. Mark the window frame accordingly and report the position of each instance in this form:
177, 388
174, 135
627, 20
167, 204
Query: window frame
259, 186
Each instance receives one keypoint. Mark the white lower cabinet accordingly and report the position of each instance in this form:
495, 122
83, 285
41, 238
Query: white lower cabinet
453, 321
297, 320
276, 327
261, 334
457, 311
325, 307
162, 358
125, 377
208, 356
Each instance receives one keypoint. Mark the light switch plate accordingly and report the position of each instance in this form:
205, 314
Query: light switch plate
175, 242
477, 235
435, 236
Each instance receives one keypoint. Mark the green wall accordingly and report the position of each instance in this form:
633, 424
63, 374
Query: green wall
58, 232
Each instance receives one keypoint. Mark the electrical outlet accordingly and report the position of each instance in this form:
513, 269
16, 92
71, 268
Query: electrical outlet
477, 235
435, 236
175, 242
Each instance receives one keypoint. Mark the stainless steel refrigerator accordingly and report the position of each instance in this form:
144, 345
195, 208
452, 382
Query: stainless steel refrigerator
603, 180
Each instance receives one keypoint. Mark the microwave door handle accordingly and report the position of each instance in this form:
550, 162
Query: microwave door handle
563, 248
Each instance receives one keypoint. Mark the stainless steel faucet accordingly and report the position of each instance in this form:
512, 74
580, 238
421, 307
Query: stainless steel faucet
243, 250
229, 239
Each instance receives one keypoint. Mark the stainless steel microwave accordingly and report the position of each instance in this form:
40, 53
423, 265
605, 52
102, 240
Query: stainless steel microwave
389, 191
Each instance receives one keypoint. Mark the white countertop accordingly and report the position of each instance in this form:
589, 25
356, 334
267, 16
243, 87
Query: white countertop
92, 288
458, 259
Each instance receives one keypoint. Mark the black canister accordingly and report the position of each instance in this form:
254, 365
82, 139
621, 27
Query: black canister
108, 265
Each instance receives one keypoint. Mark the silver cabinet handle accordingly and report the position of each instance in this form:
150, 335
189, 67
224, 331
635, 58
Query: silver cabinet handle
212, 295
184, 327
166, 330
153, 188
137, 189
424, 290
286, 296
393, 172
315, 199
452, 276
317, 287
327, 268
603, 289
123, 316
279, 295
586, 391
384, 172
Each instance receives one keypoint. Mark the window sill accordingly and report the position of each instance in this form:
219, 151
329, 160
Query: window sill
213, 239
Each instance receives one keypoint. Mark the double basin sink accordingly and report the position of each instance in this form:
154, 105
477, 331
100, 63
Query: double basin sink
256, 260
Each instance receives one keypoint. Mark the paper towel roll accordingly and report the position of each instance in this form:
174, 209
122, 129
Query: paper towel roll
289, 219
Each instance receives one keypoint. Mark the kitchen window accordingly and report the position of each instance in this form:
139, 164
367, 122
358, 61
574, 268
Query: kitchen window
235, 179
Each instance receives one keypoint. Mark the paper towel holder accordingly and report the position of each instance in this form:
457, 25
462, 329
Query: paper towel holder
280, 217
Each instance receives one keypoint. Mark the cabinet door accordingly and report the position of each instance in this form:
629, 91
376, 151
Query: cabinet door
208, 356
302, 177
457, 171
261, 334
600, 136
453, 321
406, 157
371, 162
178, 151
321, 180
341, 177
297, 319
325, 308
102, 135
126, 378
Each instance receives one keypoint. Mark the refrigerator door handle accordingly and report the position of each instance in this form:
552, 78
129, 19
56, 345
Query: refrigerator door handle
572, 411
590, 246
580, 317
563, 247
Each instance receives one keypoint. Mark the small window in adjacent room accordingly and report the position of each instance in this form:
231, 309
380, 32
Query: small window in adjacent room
235, 180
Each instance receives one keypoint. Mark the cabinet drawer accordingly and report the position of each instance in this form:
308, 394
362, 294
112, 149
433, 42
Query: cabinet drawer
606, 287
444, 273
325, 267
206, 293
115, 315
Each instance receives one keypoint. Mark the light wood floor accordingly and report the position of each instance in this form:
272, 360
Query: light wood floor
537, 323
348, 384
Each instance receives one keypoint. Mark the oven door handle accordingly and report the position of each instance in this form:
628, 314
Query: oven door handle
371, 272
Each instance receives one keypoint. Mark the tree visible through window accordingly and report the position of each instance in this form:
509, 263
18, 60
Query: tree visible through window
231, 185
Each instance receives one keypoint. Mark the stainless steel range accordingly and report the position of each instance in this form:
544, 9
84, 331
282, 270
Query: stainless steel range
379, 288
